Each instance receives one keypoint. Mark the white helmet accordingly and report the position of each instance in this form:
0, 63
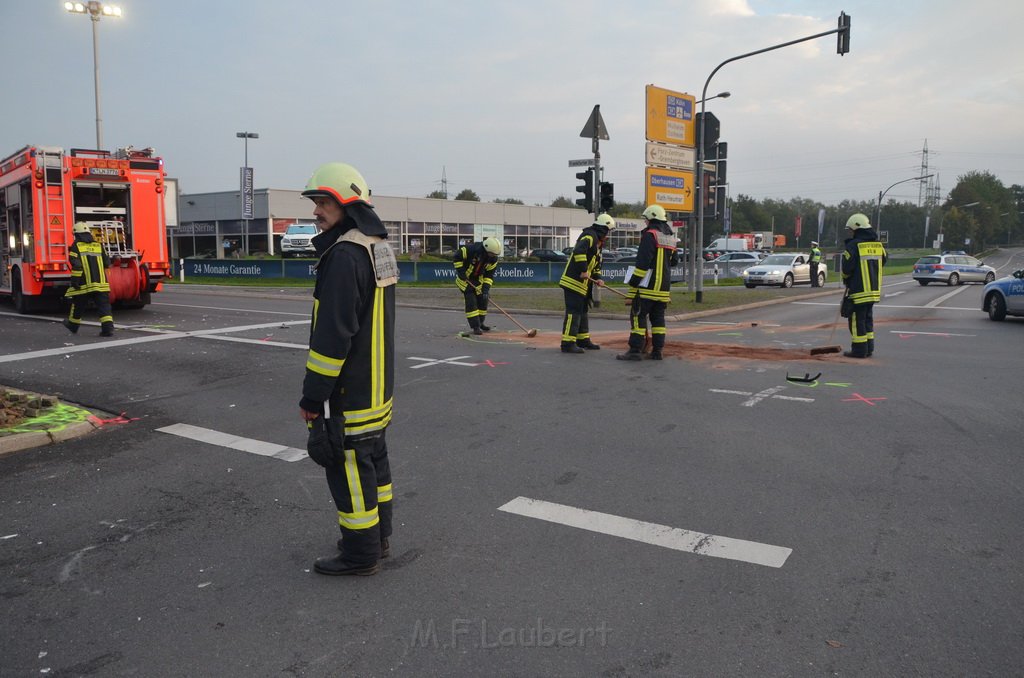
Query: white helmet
655, 213
493, 246
814, 243
605, 220
857, 221
81, 227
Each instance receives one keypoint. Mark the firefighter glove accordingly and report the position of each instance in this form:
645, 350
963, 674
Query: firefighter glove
326, 441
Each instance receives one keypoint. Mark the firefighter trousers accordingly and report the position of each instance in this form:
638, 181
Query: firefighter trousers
575, 324
361, 489
102, 302
476, 306
862, 328
639, 314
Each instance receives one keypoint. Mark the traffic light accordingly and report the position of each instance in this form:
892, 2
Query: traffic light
607, 196
710, 133
587, 189
843, 36
721, 152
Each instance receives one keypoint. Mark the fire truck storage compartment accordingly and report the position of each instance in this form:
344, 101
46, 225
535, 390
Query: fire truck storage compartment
103, 202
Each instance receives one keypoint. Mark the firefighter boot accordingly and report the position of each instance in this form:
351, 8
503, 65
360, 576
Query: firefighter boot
72, 327
631, 354
107, 329
476, 326
871, 347
359, 554
570, 347
485, 328
385, 547
856, 351
588, 345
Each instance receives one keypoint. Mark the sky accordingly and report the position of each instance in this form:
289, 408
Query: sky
493, 95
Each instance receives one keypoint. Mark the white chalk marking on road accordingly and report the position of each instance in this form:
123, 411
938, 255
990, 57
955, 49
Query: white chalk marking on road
9, 536
758, 397
895, 294
442, 361
650, 533
231, 441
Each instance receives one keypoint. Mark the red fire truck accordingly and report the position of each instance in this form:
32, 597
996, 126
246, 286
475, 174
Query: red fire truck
44, 191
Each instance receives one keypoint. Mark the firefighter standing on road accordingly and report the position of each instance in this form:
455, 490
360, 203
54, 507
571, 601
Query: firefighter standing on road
651, 284
582, 271
475, 265
862, 274
814, 260
350, 366
89, 263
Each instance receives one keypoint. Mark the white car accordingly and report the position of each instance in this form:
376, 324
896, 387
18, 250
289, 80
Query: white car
784, 270
1004, 297
296, 241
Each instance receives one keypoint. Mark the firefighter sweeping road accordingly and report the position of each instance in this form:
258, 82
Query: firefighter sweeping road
702, 515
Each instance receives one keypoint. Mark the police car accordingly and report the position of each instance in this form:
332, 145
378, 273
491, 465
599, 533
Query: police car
952, 269
1004, 297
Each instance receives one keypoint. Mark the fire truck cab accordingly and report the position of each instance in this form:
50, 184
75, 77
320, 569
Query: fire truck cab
45, 191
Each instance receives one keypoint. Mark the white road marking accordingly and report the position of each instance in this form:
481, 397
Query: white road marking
159, 335
206, 435
931, 334
936, 302
237, 310
650, 533
439, 361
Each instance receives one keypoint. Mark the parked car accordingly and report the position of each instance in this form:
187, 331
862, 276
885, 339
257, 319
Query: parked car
952, 269
549, 255
734, 258
297, 241
627, 251
608, 256
1004, 297
784, 270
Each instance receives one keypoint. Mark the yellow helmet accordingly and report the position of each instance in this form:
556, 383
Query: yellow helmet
605, 220
655, 213
857, 221
493, 246
342, 182
81, 227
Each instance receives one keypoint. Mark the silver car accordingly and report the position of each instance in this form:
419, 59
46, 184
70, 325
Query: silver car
952, 269
784, 270
298, 241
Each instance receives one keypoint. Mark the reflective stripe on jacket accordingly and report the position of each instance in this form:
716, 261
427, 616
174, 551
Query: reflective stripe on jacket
863, 260
88, 267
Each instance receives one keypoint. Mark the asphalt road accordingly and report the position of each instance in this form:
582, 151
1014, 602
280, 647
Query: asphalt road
556, 515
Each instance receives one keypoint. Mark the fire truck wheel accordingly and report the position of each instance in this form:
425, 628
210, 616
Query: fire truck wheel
22, 304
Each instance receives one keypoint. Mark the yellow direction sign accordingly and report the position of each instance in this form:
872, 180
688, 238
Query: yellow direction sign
672, 189
670, 116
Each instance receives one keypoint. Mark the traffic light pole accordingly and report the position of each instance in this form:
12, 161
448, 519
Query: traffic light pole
844, 26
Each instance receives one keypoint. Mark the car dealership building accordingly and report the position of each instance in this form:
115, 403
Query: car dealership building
213, 224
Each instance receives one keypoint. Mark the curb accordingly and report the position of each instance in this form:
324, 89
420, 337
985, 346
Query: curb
15, 442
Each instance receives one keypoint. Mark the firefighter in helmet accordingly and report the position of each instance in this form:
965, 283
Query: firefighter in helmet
582, 272
349, 381
475, 265
89, 264
651, 284
863, 260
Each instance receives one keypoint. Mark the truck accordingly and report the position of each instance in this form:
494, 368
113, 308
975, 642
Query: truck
44, 191
720, 246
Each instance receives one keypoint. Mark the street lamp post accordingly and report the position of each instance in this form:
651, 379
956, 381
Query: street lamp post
95, 10
881, 194
720, 95
844, 34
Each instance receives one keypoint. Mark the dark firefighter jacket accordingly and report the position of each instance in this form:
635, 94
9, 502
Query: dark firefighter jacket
89, 264
655, 256
351, 342
474, 265
585, 258
862, 266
